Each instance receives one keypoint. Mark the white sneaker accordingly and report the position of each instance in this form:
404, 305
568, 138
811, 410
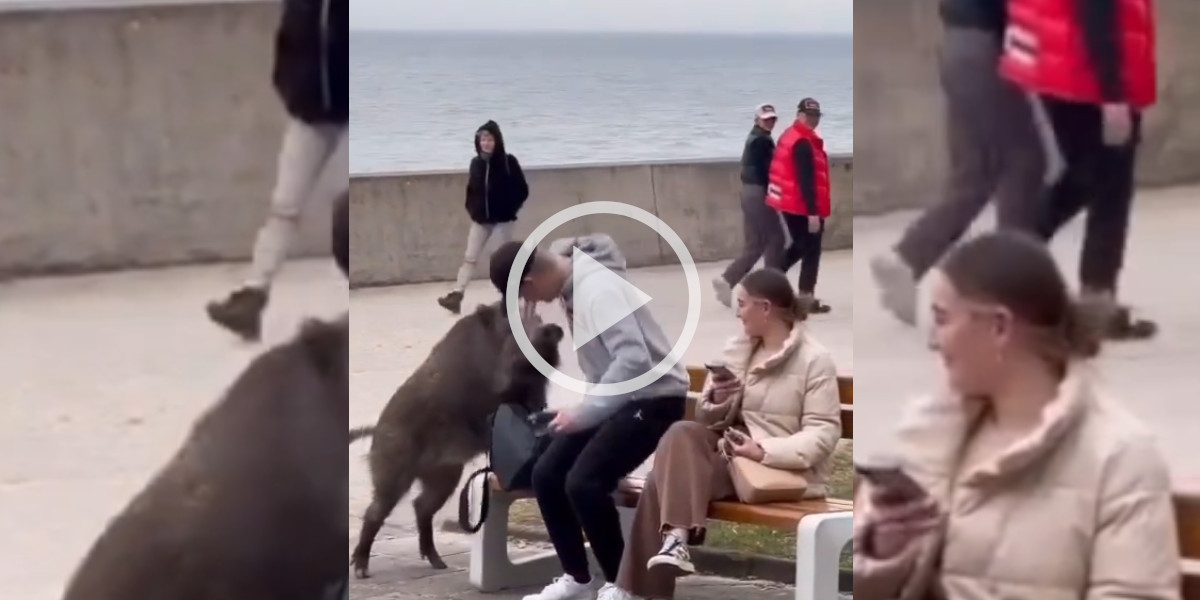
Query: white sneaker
612, 592
724, 291
897, 286
563, 588
674, 558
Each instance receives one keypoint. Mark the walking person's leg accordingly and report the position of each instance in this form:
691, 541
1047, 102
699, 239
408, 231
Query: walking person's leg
1106, 232
810, 268
477, 240
1077, 135
673, 510
1025, 158
305, 158
796, 228
762, 238
982, 111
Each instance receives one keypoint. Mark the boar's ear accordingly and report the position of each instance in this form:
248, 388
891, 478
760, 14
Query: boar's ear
327, 345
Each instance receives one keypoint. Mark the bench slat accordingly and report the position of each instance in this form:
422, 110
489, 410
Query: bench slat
1187, 513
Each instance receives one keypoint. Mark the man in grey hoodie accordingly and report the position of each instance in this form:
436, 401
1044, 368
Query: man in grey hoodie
602, 440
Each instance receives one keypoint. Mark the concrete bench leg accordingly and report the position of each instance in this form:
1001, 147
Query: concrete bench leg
492, 569
820, 540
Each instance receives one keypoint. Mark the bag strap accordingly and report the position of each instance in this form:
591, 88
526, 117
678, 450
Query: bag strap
464, 501
464, 495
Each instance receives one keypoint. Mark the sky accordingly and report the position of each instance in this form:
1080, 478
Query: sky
725, 16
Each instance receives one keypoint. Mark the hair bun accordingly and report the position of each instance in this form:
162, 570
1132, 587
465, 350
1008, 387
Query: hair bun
1084, 326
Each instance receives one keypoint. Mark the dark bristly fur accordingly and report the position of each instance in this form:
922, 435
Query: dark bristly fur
437, 421
254, 503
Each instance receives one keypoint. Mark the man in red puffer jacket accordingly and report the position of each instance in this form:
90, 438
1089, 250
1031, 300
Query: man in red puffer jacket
799, 189
1092, 64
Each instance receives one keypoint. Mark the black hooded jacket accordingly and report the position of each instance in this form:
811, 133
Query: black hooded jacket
496, 188
312, 50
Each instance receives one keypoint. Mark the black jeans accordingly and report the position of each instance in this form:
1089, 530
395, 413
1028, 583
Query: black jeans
763, 234
575, 478
1098, 178
805, 249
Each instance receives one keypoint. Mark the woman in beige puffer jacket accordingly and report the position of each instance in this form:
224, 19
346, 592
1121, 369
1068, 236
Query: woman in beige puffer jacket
1041, 486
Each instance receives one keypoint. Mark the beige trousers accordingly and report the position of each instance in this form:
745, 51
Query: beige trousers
688, 474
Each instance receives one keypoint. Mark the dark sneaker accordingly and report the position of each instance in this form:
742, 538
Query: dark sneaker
674, 558
452, 302
814, 306
241, 312
1123, 326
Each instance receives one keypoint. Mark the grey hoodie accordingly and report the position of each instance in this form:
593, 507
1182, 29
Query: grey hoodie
628, 349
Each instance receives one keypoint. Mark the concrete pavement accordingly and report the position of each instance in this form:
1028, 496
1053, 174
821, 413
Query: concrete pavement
101, 378
1157, 378
392, 330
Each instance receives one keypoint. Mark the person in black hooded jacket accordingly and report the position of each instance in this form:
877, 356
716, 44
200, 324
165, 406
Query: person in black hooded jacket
496, 191
311, 79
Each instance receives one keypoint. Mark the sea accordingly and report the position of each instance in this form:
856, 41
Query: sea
571, 98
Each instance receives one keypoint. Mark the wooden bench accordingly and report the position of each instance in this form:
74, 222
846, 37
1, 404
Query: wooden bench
823, 527
1187, 513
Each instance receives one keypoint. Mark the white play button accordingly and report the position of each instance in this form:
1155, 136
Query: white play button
603, 298
613, 298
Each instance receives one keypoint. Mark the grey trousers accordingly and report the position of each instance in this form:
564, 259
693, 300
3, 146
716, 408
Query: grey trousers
995, 149
763, 234
480, 238
314, 165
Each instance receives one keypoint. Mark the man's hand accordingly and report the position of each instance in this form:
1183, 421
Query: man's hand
564, 422
1118, 124
814, 224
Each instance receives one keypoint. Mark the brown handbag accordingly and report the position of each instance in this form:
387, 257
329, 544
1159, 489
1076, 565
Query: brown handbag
756, 483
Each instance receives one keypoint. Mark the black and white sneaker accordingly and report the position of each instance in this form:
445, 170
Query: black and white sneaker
674, 558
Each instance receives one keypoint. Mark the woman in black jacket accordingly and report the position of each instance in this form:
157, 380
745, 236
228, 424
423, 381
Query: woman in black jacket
310, 77
496, 190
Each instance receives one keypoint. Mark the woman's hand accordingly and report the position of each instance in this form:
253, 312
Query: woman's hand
745, 447
723, 390
893, 528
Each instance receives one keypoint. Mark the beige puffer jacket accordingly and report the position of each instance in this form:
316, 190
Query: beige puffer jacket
1079, 510
789, 404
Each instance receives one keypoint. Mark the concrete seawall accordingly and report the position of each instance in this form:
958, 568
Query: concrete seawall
409, 228
137, 134
898, 115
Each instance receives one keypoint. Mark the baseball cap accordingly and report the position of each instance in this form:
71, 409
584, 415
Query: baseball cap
502, 264
809, 106
765, 111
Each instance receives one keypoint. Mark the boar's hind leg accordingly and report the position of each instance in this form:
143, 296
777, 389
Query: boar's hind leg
437, 485
385, 499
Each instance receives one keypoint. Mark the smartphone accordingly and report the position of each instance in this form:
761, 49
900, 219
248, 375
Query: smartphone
720, 371
735, 436
893, 485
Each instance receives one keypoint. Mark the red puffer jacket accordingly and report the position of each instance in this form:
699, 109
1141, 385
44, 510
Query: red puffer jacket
1045, 51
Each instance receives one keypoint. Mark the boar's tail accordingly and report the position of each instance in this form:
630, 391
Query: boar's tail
360, 433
